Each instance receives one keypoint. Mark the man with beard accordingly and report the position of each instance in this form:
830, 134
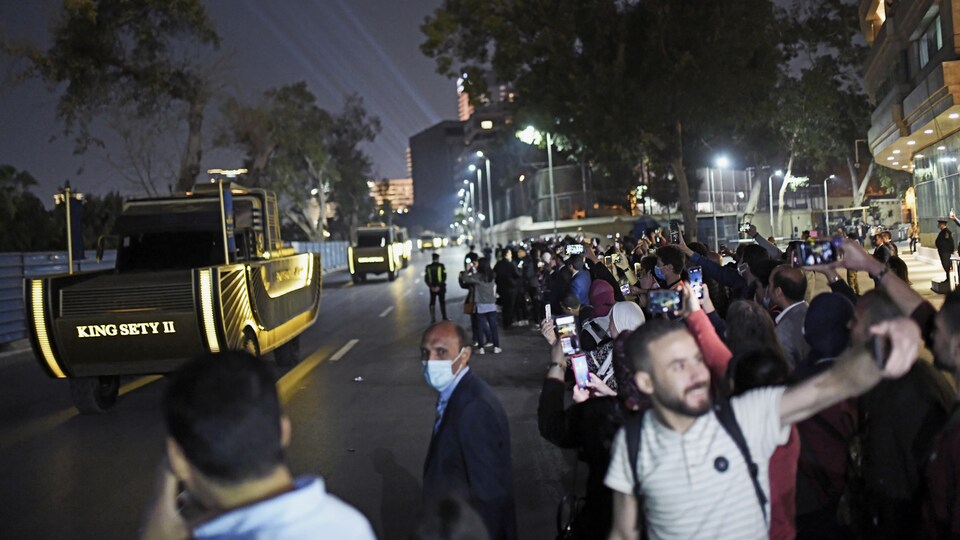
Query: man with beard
691, 473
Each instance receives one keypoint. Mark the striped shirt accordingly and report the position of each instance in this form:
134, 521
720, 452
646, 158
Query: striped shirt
696, 484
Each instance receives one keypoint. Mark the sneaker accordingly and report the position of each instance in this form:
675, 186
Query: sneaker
488, 345
497, 350
481, 351
476, 345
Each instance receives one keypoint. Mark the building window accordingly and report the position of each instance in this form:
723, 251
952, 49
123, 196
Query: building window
930, 42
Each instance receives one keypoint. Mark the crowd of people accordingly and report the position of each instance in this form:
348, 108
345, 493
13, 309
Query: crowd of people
711, 395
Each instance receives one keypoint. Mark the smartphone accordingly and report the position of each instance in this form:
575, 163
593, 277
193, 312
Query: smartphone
880, 347
625, 289
636, 269
567, 332
674, 233
580, 371
574, 249
664, 301
696, 280
548, 311
817, 252
608, 261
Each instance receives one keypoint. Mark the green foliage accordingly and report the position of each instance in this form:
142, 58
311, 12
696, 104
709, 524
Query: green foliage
618, 79
127, 54
301, 151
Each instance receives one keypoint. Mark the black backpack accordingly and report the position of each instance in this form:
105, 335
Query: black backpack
727, 418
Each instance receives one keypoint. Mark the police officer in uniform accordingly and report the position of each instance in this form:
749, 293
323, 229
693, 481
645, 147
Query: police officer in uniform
435, 277
944, 245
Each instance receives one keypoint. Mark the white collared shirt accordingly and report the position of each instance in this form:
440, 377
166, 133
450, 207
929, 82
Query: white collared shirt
786, 309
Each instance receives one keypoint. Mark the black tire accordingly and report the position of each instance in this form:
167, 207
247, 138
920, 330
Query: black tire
288, 354
391, 276
250, 345
94, 395
363, 277
406, 263
355, 278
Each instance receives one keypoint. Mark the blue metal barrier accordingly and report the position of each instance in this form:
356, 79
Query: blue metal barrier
333, 255
16, 266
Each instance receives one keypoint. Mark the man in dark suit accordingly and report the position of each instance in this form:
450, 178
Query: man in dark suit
469, 451
944, 244
786, 289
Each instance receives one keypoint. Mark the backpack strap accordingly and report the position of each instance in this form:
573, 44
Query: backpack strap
728, 420
633, 426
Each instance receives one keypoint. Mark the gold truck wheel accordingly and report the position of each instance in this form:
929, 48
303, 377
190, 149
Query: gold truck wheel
94, 395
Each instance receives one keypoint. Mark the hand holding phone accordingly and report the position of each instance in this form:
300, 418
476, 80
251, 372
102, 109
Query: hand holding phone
580, 372
880, 349
696, 280
567, 332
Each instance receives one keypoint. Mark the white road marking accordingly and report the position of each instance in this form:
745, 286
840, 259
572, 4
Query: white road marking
288, 384
386, 312
344, 350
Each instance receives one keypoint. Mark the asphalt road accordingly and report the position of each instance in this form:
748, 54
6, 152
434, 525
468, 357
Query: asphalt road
362, 416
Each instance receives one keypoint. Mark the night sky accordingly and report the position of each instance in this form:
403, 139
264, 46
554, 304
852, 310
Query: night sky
337, 46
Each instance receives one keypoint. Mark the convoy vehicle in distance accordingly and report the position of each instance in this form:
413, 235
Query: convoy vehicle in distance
201, 272
430, 241
377, 249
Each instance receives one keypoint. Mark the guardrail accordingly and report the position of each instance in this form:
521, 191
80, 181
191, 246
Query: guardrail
333, 255
16, 266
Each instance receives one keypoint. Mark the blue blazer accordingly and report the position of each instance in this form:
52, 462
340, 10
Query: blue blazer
469, 456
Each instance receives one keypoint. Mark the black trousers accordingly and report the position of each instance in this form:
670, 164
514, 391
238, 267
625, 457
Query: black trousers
508, 299
441, 293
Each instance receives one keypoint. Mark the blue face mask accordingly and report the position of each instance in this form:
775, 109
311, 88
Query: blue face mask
439, 373
659, 273
766, 301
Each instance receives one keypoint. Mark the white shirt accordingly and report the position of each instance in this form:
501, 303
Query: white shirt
306, 512
685, 492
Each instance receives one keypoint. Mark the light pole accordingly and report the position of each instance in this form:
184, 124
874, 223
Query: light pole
480, 193
489, 186
722, 162
530, 135
826, 205
770, 191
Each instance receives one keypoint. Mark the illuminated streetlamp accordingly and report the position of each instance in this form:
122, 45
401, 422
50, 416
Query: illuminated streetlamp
721, 162
530, 135
770, 190
489, 186
826, 206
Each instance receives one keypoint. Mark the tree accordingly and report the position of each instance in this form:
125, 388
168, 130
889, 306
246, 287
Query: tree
622, 80
135, 56
822, 109
26, 224
305, 154
352, 166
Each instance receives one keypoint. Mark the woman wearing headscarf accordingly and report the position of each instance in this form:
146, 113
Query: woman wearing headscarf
597, 413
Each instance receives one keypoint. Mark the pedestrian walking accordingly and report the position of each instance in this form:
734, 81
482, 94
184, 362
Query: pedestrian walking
435, 276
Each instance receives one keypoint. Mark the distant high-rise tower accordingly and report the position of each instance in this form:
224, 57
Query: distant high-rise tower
464, 108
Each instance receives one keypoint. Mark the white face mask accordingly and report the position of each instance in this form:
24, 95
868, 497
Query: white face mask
439, 373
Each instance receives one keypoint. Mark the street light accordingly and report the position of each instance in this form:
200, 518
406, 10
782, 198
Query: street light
826, 205
489, 186
530, 135
770, 190
721, 162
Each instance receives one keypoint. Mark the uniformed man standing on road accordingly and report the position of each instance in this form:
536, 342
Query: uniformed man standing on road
435, 277
944, 245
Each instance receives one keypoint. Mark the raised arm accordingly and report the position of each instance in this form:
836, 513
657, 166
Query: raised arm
854, 373
771, 249
902, 294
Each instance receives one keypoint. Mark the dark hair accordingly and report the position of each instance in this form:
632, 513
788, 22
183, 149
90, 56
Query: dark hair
571, 301
950, 312
762, 268
673, 256
627, 391
751, 254
749, 327
450, 518
899, 268
483, 268
699, 248
791, 282
222, 410
638, 344
648, 263
435, 256
576, 261
879, 307
756, 368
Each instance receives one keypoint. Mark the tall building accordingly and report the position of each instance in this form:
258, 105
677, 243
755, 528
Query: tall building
436, 177
399, 191
912, 73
